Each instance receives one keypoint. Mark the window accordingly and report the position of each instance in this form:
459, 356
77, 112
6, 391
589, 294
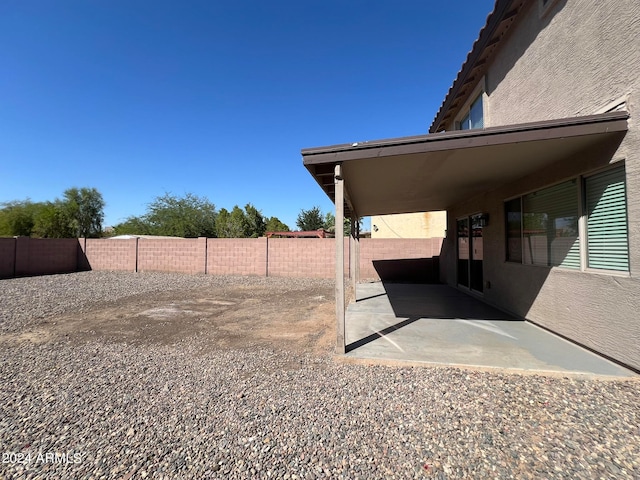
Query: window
550, 226
545, 6
513, 216
606, 210
474, 118
543, 228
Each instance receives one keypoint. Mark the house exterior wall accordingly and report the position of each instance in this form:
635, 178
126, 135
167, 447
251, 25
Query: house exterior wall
409, 225
573, 61
596, 310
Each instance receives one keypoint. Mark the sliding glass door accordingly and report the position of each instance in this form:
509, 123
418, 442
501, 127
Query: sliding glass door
470, 252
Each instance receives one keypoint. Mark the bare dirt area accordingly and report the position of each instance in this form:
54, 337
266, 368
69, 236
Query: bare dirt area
266, 313
157, 375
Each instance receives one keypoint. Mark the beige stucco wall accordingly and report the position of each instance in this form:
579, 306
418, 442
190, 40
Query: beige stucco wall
409, 225
573, 61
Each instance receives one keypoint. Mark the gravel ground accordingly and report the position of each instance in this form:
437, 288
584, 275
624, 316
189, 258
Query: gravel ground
115, 410
26, 301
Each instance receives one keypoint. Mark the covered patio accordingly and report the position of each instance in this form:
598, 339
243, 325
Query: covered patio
428, 173
440, 325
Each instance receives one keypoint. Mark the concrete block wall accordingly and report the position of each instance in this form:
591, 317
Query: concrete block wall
108, 254
304, 257
290, 257
42, 256
394, 249
7, 257
182, 255
237, 256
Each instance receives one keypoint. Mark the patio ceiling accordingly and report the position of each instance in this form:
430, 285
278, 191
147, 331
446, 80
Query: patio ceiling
436, 171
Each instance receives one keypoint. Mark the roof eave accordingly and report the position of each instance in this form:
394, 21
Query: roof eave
433, 172
615, 121
488, 40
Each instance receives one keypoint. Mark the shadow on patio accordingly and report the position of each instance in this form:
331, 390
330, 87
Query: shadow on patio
438, 324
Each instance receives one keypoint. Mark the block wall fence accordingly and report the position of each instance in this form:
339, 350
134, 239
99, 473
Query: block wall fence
282, 257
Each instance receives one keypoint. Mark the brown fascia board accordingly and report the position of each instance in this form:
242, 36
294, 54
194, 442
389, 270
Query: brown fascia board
572, 126
501, 12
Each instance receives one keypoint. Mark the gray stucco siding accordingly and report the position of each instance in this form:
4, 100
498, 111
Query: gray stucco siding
597, 310
574, 61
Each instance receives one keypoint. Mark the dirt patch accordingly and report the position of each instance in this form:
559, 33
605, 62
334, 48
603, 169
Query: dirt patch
233, 317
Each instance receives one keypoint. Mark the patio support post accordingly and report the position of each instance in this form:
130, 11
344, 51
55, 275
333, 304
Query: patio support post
339, 237
357, 222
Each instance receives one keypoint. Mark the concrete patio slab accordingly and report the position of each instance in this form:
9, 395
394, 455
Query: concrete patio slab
437, 324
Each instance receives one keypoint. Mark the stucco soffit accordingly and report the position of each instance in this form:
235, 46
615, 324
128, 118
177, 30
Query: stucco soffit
432, 172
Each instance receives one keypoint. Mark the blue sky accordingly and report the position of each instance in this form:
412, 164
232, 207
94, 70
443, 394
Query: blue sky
141, 97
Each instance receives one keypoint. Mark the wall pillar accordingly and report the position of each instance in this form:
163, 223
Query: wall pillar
339, 239
266, 258
201, 257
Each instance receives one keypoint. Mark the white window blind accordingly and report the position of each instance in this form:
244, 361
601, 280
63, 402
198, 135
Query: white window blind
550, 226
607, 232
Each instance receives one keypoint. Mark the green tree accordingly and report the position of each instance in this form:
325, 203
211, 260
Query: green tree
310, 219
51, 220
256, 222
17, 218
133, 226
275, 225
84, 211
221, 223
238, 222
232, 224
189, 216
330, 223
78, 214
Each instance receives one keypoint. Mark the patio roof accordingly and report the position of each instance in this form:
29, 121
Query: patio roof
435, 171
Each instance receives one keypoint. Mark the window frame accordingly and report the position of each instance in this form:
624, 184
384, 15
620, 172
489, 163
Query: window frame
582, 225
520, 228
544, 7
479, 92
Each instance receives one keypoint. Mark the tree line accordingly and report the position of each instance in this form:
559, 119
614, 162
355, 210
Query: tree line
314, 219
80, 213
193, 216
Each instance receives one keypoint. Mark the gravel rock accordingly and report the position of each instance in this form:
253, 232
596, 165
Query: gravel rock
113, 410
26, 301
